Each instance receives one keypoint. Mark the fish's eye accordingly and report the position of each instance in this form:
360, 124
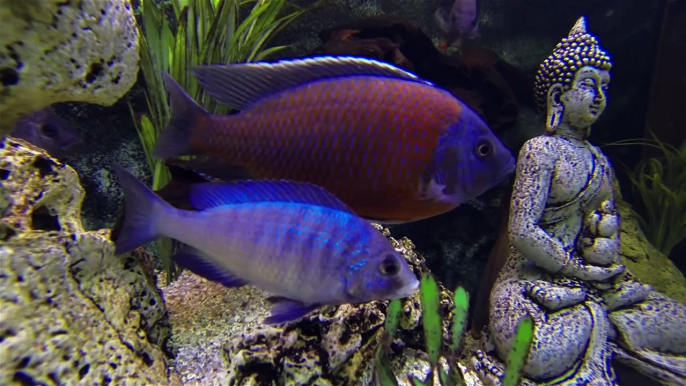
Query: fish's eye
484, 149
389, 266
49, 130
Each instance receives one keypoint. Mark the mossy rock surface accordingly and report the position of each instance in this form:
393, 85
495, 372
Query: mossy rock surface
645, 261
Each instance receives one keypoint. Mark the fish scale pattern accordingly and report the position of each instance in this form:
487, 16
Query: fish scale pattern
326, 133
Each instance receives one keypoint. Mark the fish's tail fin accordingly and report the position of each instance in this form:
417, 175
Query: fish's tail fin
143, 213
175, 139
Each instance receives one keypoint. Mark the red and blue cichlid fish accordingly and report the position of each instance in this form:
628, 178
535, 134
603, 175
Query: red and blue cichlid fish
393, 147
292, 239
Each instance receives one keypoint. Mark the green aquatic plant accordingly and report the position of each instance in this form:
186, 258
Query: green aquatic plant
660, 182
205, 32
383, 373
432, 324
520, 350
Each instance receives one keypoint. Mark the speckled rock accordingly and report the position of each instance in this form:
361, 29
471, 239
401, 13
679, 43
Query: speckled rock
219, 339
44, 194
70, 311
64, 50
205, 315
645, 261
418, 368
331, 348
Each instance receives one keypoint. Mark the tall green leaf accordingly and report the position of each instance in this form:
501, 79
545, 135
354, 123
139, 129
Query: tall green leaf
460, 315
519, 351
429, 295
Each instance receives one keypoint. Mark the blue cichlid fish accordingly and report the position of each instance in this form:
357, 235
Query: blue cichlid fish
47, 130
460, 20
391, 146
294, 240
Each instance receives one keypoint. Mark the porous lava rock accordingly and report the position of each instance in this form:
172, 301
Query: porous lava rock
64, 51
71, 312
334, 347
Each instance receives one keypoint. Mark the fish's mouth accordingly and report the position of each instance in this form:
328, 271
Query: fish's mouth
510, 168
408, 289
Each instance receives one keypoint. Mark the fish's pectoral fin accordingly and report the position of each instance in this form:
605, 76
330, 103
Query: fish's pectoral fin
285, 310
441, 18
277, 299
199, 263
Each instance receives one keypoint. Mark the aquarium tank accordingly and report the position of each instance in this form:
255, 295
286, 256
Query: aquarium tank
342, 192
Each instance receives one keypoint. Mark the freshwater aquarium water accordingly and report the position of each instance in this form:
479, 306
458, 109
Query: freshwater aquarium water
342, 192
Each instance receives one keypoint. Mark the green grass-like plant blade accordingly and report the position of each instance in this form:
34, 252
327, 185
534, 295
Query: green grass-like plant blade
460, 315
445, 377
429, 295
418, 382
519, 351
383, 372
393, 317
660, 182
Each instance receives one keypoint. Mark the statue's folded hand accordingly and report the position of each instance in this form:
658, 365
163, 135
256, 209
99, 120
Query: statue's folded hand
588, 272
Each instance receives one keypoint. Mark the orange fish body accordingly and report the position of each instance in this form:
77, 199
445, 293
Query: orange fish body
388, 147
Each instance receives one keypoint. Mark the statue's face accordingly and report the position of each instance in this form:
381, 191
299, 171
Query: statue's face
586, 99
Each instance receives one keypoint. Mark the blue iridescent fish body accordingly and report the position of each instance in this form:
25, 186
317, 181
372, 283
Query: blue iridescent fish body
294, 240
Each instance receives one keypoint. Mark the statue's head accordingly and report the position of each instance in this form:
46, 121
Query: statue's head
571, 84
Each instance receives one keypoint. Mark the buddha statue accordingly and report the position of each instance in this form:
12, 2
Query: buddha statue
564, 267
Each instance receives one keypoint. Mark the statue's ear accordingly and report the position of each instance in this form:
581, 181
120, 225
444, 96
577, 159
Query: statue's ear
555, 109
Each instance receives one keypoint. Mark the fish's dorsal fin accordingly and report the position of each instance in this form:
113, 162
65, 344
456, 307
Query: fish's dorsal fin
210, 195
241, 85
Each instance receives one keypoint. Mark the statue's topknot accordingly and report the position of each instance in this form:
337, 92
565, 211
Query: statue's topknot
577, 50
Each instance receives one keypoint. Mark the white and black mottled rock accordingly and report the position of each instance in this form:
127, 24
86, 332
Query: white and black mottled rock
335, 347
71, 312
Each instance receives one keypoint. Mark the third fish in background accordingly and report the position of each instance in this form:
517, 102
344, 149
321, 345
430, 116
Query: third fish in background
457, 21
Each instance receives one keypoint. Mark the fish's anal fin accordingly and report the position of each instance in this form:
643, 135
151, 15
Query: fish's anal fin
241, 85
211, 195
285, 310
196, 261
